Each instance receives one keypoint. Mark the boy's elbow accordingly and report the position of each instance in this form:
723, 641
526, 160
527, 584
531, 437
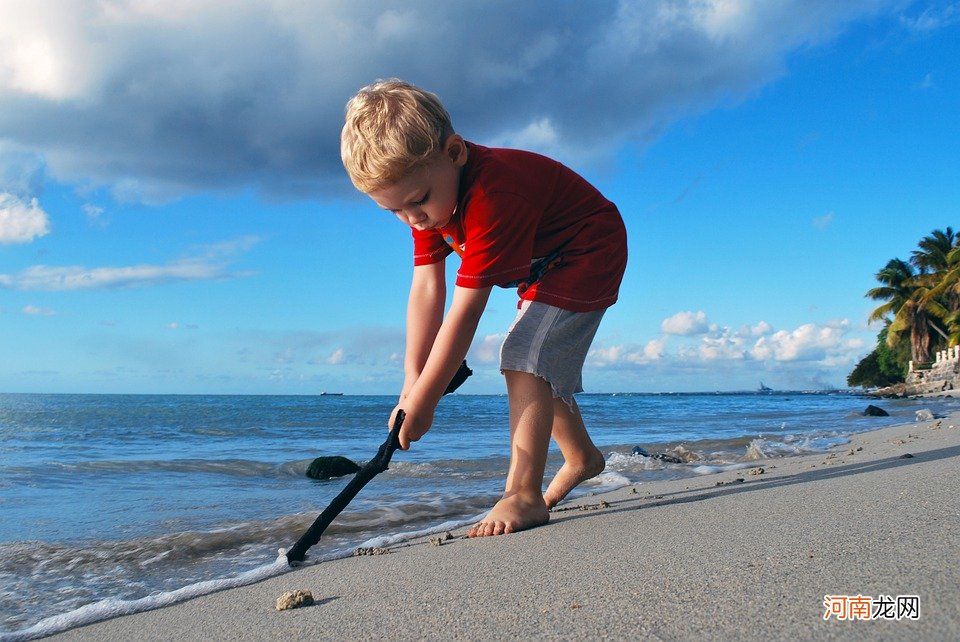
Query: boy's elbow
428, 281
472, 302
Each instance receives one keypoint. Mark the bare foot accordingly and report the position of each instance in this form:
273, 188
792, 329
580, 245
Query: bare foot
511, 514
570, 476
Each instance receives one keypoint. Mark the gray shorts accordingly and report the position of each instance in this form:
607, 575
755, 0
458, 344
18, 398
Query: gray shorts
551, 343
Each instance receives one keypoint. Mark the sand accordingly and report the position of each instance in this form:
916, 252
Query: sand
706, 558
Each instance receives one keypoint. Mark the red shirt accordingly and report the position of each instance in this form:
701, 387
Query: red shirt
528, 221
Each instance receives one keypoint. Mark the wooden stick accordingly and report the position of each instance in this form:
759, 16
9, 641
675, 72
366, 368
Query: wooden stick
368, 471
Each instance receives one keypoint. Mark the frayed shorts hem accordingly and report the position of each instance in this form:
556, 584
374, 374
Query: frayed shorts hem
550, 343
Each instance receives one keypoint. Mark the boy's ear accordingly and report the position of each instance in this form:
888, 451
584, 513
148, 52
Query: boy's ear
456, 149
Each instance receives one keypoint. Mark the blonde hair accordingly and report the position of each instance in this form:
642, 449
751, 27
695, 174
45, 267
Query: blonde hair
391, 129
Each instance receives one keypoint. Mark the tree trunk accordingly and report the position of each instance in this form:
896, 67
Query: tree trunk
920, 343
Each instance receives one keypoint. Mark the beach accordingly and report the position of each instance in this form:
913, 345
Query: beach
742, 554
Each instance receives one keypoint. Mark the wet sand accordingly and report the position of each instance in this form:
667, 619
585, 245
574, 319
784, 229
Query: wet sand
745, 554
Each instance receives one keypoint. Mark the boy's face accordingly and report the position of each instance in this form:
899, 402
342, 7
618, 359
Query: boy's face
427, 197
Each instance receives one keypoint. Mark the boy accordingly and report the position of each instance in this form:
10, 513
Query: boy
516, 219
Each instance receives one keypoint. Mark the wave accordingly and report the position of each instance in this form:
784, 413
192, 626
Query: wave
230, 467
130, 569
459, 468
708, 456
113, 607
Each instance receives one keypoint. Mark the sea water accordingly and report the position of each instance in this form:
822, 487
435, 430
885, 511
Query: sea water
111, 504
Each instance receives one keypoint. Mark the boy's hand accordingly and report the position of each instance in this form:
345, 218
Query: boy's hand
429, 380
416, 422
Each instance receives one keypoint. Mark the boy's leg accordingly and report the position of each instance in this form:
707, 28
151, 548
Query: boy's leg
531, 422
581, 458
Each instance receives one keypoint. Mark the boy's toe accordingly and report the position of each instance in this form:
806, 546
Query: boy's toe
488, 529
478, 531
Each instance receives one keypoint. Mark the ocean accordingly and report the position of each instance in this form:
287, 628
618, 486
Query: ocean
112, 504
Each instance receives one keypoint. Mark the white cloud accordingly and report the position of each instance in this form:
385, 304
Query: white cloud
607, 356
686, 324
176, 325
539, 134
824, 345
156, 99
728, 347
809, 342
757, 330
22, 173
210, 263
933, 18
43, 54
94, 214
823, 222
654, 349
34, 310
487, 350
43, 277
21, 221
362, 346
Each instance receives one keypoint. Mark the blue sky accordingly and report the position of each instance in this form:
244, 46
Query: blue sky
174, 217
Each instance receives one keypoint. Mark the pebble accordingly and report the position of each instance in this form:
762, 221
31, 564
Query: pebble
440, 539
376, 550
294, 600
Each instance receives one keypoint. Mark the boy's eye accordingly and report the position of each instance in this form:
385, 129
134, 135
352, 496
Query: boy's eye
422, 200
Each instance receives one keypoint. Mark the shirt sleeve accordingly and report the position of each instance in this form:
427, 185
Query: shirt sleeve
429, 247
499, 228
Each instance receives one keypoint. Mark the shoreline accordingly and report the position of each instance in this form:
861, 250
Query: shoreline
711, 556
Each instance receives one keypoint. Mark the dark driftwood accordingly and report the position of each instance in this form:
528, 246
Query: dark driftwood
367, 472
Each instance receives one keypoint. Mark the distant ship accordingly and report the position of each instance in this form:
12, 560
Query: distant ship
331, 394
764, 388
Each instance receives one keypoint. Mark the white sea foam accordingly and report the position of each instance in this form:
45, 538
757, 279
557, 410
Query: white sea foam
605, 482
621, 463
708, 469
382, 541
766, 448
756, 450
113, 607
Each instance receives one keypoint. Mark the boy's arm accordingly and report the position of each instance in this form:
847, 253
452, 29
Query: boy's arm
449, 349
428, 293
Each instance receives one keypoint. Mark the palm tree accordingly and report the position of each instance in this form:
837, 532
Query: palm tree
932, 255
919, 316
940, 254
897, 279
915, 309
938, 261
